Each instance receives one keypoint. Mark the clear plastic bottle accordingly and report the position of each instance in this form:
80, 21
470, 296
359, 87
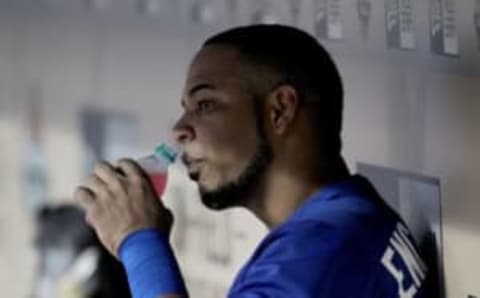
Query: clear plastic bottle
156, 166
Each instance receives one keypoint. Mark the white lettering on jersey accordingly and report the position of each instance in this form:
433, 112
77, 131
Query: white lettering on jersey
401, 245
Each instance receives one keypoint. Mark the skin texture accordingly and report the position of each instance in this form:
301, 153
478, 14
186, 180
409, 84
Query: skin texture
226, 150
119, 201
220, 133
236, 118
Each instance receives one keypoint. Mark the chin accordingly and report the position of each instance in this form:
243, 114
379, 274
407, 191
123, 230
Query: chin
213, 199
213, 204
218, 194
224, 197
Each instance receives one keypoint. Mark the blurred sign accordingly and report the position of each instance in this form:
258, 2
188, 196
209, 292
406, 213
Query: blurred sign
328, 19
364, 10
476, 21
400, 24
263, 12
443, 27
203, 12
295, 9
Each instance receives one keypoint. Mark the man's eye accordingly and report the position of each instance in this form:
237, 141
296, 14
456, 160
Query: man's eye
204, 106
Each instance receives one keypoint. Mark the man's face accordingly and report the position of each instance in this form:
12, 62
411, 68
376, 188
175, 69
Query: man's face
221, 130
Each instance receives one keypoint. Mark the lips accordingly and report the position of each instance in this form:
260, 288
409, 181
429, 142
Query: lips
193, 166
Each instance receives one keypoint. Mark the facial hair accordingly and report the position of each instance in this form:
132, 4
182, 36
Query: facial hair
235, 193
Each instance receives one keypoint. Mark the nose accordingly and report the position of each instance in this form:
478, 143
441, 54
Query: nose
182, 131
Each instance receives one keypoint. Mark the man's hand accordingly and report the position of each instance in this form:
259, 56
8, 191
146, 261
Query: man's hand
119, 201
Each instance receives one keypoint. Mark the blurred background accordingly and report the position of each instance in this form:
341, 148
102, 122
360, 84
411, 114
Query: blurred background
82, 80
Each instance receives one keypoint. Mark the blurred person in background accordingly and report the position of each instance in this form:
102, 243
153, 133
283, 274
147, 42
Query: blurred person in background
72, 263
261, 129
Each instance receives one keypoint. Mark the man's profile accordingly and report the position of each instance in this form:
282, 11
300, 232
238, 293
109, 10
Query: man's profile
261, 129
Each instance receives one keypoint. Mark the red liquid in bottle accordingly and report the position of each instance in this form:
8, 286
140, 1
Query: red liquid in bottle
159, 181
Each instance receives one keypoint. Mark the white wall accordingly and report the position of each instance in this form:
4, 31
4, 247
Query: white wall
408, 111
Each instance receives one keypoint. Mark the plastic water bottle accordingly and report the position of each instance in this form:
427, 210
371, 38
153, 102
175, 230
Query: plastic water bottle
156, 166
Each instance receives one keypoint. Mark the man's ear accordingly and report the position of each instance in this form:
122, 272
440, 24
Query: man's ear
283, 107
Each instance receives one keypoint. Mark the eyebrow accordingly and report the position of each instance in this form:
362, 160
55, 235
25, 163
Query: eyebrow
197, 88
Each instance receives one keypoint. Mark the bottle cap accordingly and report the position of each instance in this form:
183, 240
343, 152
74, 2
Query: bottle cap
166, 152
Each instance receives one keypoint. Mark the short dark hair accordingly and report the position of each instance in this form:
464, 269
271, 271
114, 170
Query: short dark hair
301, 62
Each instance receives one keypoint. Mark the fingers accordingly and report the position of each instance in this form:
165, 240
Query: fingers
97, 186
137, 176
84, 196
114, 214
132, 171
111, 177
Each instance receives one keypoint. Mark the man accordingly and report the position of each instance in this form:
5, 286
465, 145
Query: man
261, 130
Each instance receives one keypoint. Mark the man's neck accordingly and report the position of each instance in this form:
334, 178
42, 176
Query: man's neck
284, 191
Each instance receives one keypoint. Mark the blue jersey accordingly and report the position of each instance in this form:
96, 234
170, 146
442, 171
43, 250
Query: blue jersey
343, 242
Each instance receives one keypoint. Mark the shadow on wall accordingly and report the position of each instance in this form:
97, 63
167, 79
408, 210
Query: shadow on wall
71, 261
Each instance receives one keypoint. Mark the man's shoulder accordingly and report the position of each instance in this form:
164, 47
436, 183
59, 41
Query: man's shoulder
346, 215
348, 225
349, 199
325, 258
346, 239
334, 233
